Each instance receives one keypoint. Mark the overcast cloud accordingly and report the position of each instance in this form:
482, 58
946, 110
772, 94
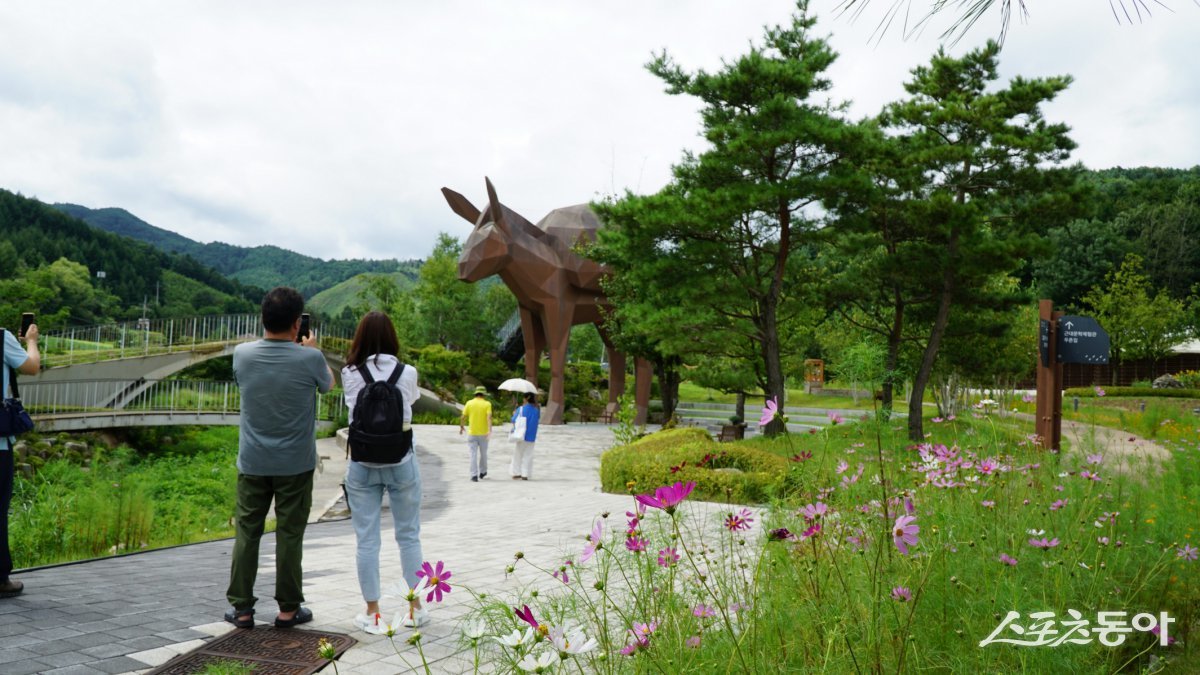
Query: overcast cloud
328, 127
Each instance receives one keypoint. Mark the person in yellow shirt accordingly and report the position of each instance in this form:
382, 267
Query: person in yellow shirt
477, 420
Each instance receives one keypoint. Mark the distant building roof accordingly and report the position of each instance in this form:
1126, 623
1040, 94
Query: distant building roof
1189, 347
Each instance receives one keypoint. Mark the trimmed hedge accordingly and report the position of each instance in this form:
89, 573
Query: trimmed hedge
1090, 392
732, 472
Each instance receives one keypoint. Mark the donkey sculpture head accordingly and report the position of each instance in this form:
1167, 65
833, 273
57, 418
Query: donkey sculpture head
489, 248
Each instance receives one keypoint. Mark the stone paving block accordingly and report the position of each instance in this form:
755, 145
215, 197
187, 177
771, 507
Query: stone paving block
25, 667
74, 670
154, 657
23, 640
51, 647
13, 654
64, 659
87, 640
103, 651
118, 664
181, 635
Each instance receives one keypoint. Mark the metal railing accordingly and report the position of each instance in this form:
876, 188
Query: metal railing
100, 397
142, 337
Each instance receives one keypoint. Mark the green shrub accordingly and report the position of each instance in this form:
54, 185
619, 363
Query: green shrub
1190, 379
440, 368
733, 472
1084, 392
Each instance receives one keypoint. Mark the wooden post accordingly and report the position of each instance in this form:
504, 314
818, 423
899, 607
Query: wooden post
1049, 379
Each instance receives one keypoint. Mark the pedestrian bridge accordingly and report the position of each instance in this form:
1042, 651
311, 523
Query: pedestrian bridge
117, 375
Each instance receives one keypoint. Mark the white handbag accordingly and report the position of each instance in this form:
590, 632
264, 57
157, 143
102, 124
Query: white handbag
518, 430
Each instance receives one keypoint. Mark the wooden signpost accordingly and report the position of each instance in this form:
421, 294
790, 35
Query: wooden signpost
1062, 339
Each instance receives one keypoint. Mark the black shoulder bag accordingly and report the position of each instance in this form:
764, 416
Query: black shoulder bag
14, 421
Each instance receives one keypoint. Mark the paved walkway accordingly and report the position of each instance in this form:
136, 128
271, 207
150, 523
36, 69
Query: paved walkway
132, 613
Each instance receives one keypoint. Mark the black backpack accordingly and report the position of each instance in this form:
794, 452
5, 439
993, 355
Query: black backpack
377, 434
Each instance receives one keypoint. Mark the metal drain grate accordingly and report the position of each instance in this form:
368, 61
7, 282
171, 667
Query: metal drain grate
271, 651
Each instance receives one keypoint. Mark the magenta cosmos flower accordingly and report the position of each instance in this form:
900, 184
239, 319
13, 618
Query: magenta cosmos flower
435, 579
739, 521
904, 533
1008, 560
1044, 543
636, 544
668, 497
1188, 552
525, 614
668, 557
901, 594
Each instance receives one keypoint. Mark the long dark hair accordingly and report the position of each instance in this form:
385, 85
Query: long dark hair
375, 335
531, 397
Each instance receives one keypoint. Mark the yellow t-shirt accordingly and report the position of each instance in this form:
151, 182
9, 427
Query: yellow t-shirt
478, 414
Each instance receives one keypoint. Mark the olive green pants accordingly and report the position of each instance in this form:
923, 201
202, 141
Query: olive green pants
293, 501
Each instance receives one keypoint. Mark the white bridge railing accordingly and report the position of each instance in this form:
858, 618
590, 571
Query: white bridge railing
100, 397
142, 337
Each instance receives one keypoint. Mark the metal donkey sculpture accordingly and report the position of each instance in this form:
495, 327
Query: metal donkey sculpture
556, 288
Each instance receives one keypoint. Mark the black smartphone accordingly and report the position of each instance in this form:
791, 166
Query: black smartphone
305, 327
26, 322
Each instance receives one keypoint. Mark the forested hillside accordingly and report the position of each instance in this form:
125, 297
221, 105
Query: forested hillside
51, 261
262, 266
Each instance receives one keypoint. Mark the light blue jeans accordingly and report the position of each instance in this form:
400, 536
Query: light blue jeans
365, 488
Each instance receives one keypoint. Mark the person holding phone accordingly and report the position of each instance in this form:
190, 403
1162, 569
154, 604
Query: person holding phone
27, 361
277, 454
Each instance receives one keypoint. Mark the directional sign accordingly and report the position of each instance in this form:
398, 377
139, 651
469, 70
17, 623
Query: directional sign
1081, 340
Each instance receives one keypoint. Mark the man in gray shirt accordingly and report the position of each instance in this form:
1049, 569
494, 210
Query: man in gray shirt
277, 454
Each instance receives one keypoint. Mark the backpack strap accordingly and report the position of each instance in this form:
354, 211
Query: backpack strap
395, 376
365, 371
12, 372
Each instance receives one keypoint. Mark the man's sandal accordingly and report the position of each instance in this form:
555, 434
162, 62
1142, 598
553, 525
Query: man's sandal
242, 618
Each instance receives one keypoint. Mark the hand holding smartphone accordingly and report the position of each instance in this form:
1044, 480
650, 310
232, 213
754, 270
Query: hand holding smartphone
26, 322
305, 327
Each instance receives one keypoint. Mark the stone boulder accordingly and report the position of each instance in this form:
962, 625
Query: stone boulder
1166, 382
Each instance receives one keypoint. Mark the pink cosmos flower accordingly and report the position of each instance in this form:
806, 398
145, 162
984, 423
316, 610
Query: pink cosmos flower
937, 420
1058, 504
812, 512
1095, 459
741, 520
987, 503
1188, 552
842, 466
836, 419
812, 531
1008, 560
435, 580
780, 534
636, 544
595, 542
1028, 397
1103, 541
904, 533
768, 412
801, 456
1088, 475
987, 466
668, 557
668, 497
1043, 543
1099, 391
693, 642
909, 507
1157, 631
525, 614
702, 611
901, 594
641, 632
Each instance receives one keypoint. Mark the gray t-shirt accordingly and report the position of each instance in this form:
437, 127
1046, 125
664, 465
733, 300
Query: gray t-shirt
14, 357
279, 380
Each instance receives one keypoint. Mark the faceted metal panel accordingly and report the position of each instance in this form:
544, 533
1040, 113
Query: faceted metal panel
270, 650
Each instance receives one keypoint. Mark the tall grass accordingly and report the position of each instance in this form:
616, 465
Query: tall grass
126, 500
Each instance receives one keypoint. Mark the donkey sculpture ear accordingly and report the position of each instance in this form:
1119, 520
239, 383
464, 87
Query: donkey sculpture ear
497, 209
461, 206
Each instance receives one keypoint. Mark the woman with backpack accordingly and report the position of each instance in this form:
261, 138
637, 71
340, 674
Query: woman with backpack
522, 461
383, 460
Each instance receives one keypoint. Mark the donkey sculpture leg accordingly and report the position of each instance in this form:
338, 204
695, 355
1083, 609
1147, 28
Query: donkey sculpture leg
616, 376
535, 342
557, 322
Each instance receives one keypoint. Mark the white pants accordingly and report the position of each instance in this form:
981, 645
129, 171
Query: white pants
478, 446
522, 461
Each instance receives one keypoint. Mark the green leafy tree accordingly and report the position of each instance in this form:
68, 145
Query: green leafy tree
720, 254
986, 190
1140, 322
1084, 252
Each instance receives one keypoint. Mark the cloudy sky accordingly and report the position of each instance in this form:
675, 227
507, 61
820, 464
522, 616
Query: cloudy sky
328, 127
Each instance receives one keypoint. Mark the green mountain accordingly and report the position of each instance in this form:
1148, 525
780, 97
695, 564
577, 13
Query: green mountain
261, 266
332, 301
34, 236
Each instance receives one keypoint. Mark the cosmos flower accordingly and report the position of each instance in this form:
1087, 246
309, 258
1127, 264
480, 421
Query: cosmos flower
435, 580
904, 533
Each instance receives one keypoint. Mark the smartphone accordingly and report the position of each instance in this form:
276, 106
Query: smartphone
305, 327
26, 322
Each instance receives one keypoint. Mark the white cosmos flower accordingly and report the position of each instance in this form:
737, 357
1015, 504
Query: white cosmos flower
543, 663
515, 639
400, 589
571, 641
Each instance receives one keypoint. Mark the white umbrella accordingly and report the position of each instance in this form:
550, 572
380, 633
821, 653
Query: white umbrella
518, 384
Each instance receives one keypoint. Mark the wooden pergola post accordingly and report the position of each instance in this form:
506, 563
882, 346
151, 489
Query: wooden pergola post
1049, 379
